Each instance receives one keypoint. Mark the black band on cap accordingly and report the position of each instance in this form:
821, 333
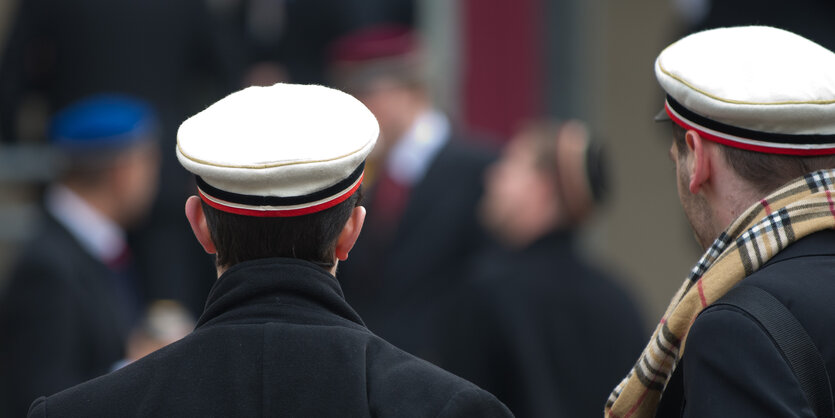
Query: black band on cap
776, 138
252, 200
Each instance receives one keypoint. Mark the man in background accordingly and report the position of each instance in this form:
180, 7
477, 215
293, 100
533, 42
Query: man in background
532, 324
425, 182
176, 56
73, 296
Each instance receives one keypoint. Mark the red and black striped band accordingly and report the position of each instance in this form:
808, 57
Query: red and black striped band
752, 140
280, 206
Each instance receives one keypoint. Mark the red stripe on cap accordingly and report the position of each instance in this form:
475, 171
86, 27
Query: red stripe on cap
283, 213
742, 145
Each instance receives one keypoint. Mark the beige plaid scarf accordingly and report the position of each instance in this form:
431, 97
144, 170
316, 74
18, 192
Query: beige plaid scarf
797, 209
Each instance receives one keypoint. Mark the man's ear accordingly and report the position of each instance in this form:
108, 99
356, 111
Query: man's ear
700, 163
350, 233
197, 220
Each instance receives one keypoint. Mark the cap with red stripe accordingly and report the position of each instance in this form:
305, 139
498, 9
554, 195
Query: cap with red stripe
278, 151
756, 88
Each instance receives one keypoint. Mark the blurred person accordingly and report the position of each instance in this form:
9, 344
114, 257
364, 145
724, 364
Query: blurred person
287, 41
532, 324
426, 182
173, 54
278, 171
73, 295
165, 322
749, 333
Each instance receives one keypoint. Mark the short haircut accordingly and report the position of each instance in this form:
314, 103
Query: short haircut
310, 237
765, 172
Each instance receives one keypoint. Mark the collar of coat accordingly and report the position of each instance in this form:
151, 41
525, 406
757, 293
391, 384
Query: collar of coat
277, 290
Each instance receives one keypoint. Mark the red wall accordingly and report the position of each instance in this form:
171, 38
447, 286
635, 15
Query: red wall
502, 63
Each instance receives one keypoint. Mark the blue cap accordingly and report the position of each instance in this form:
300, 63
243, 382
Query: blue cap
101, 122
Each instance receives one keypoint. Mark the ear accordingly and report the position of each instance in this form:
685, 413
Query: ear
700, 167
350, 233
197, 220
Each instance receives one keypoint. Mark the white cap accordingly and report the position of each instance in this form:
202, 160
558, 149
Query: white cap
282, 150
754, 87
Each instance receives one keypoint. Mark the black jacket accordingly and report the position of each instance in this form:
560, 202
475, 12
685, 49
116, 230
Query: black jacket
276, 339
535, 328
61, 320
401, 285
731, 367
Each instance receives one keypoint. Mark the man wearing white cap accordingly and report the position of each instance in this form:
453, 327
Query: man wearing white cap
278, 172
750, 331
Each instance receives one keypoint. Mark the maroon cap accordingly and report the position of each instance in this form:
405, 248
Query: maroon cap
374, 42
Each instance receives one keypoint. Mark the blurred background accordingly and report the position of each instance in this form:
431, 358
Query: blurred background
494, 64
487, 67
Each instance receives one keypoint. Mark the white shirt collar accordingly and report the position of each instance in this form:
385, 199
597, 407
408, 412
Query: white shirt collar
412, 154
96, 233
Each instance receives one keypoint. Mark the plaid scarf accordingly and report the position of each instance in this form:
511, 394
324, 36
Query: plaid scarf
797, 209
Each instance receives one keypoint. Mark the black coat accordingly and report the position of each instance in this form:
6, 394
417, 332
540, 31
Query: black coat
401, 285
61, 320
732, 368
536, 328
276, 339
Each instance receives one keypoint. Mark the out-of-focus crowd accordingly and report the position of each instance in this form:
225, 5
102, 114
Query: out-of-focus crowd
468, 258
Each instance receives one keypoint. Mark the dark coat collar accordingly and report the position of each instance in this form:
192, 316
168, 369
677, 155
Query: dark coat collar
818, 243
277, 290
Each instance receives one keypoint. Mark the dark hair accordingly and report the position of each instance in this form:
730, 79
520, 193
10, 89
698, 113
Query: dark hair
766, 172
311, 237
545, 134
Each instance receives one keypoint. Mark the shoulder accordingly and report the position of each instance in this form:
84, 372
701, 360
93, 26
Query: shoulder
38, 408
733, 368
474, 402
400, 384
803, 280
92, 398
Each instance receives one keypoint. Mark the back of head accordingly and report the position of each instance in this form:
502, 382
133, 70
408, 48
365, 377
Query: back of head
766, 95
278, 169
550, 177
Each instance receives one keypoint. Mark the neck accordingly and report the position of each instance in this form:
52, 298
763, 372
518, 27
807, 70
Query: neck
222, 269
99, 199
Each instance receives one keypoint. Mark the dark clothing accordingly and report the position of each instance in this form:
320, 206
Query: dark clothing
535, 328
301, 32
62, 320
151, 49
276, 339
732, 368
401, 282
172, 54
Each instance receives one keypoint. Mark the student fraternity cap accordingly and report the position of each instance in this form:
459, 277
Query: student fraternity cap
756, 88
103, 122
380, 51
375, 42
283, 150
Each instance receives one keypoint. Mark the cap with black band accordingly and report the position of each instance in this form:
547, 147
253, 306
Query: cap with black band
757, 88
278, 151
